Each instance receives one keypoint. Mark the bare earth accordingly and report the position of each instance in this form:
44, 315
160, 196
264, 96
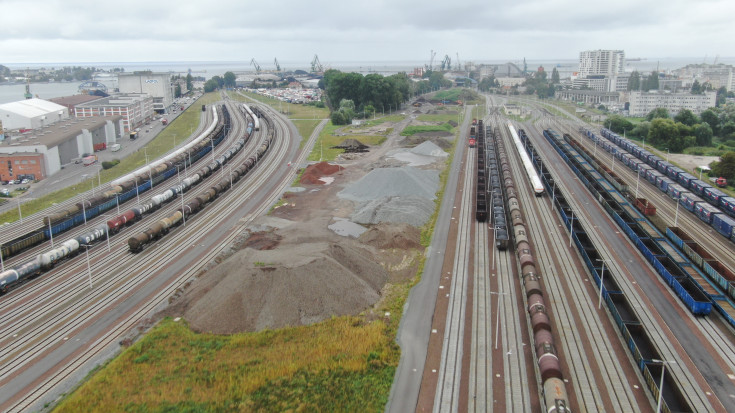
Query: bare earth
290, 269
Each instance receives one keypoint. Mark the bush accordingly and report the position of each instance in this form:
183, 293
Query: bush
110, 164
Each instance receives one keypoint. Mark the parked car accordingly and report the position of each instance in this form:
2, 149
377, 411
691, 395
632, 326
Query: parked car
25, 181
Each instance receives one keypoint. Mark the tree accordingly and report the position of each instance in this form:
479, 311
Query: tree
229, 80
657, 113
634, 81
211, 85
555, 77
703, 134
651, 83
618, 124
725, 167
662, 131
686, 117
641, 130
177, 91
189, 82
712, 119
696, 88
721, 96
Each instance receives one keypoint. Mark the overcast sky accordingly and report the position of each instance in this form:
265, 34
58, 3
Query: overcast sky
364, 30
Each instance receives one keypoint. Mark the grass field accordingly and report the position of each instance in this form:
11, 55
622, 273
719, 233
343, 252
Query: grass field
177, 130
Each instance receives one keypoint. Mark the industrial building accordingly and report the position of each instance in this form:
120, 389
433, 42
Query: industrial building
156, 85
70, 102
641, 103
135, 109
31, 114
42, 152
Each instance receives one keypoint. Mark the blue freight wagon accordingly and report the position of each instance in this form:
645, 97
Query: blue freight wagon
724, 225
706, 212
688, 200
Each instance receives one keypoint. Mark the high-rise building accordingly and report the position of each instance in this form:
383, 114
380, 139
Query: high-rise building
601, 62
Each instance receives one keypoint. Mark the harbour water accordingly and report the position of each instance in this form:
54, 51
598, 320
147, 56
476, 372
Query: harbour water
14, 92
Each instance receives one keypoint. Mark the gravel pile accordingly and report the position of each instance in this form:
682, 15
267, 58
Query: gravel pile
429, 149
410, 210
393, 182
297, 284
347, 228
394, 195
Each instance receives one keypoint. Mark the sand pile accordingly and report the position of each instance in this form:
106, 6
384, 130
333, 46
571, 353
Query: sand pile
387, 236
296, 284
313, 173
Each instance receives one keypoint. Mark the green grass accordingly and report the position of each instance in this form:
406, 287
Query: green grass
439, 117
177, 130
412, 130
323, 147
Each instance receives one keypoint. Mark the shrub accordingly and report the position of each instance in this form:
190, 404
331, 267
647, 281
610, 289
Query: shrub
110, 164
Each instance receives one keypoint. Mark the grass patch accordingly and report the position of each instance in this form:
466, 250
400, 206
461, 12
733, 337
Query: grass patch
412, 130
173, 367
323, 150
178, 130
440, 117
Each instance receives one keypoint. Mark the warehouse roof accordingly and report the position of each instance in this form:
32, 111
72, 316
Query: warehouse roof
31, 108
74, 99
57, 133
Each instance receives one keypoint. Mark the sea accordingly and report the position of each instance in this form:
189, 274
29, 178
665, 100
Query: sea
565, 67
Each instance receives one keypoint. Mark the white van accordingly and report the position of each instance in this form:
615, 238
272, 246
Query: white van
115, 147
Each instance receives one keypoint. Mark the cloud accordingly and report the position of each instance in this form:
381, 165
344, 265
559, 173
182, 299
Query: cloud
379, 30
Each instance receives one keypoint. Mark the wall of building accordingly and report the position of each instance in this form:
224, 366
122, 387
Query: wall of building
641, 103
157, 85
15, 166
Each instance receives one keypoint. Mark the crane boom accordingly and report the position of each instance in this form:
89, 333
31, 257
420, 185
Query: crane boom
256, 65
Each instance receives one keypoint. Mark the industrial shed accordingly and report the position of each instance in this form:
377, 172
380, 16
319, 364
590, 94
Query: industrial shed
31, 114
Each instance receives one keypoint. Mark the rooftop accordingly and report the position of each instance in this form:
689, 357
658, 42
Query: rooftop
74, 99
30, 108
57, 133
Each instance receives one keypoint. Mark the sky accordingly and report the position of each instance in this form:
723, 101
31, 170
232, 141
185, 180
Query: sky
293, 31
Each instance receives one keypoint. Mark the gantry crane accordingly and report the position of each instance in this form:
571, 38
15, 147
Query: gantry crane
278, 67
316, 65
256, 65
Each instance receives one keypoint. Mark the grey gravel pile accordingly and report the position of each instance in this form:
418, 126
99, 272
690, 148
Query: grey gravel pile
387, 182
395, 195
410, 210
428, 148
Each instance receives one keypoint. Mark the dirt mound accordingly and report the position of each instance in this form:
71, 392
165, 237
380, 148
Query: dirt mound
263, 240
298, 284
387, 236
318, 170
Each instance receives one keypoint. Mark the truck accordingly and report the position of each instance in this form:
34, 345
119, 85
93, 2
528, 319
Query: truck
721, 181
100, 146
115, 147
133, 135
164, 121
89, 160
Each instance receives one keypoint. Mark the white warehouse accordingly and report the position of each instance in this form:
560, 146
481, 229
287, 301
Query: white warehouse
31, 114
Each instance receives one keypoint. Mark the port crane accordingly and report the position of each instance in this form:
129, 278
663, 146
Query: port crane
316, 65
256, 65
278, 67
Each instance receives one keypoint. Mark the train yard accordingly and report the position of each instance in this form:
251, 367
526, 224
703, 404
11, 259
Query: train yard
59, 323
616, 347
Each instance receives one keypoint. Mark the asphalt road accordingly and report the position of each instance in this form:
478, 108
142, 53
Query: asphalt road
415, 327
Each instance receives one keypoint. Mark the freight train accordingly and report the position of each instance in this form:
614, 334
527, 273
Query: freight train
19, 274
123, 188
163, 226
710, 204
554, 391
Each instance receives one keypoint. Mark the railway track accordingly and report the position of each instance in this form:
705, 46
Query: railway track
621, 258
86, 323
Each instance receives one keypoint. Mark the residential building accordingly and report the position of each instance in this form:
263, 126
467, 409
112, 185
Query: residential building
601, 62
641, 103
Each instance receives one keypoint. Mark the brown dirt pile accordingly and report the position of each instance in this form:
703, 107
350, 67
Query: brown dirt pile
315, 171
386, 236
